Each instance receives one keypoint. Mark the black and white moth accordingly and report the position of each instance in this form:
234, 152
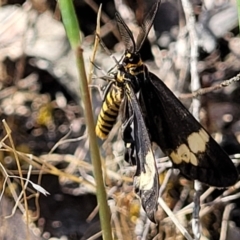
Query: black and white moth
158, 116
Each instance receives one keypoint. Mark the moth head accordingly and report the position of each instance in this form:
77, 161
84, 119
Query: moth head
131, 59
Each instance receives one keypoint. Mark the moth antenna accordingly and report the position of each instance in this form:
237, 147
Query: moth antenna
126, 34
146, 25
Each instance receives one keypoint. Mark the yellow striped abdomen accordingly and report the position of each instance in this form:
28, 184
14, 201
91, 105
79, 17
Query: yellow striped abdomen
109, 112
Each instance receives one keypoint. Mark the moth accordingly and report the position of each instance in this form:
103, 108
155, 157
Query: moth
158, 116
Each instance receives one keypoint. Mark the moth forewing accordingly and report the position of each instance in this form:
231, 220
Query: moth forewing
146, 178
182, 138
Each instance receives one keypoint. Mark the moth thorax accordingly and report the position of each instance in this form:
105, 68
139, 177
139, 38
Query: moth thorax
136, 69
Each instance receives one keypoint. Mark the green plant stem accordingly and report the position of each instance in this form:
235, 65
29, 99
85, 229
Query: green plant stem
238, 7
72, 29
94, 151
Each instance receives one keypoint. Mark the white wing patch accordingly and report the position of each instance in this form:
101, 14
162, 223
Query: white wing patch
197, 143
183, 154
145, 181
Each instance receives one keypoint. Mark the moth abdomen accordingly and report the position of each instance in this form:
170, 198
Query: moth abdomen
109, 112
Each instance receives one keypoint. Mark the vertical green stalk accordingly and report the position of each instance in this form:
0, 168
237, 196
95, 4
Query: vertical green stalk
73, 32
238, 7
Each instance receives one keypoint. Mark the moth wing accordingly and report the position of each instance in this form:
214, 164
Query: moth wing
146, 177
182, 138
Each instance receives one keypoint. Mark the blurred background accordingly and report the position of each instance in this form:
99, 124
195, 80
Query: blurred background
45, 126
